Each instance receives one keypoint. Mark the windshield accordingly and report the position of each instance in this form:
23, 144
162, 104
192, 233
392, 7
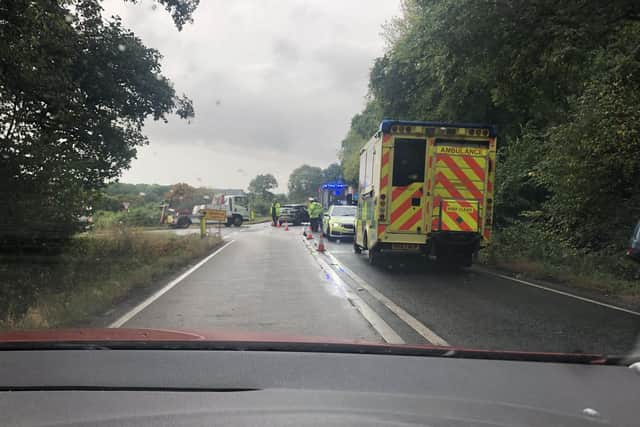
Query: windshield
343, 211
176, 164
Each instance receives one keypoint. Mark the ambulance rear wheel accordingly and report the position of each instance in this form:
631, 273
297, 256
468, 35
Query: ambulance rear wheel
356, 247
373, 256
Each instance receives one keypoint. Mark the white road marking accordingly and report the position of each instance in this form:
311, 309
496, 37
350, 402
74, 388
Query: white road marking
383, 328
556, 291
144, 304
407, 318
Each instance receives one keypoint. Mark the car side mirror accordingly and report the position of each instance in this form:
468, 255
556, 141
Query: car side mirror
326, 214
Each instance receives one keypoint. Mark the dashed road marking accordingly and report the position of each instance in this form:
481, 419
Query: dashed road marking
147, 302
407, 318
556, 291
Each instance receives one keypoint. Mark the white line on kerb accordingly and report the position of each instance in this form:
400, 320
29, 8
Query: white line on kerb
556, 291
414, 323
144, 304
383, 328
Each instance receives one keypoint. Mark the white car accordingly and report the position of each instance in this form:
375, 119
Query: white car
339, 221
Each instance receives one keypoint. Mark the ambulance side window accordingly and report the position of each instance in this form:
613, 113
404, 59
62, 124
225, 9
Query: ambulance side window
363, 167
408, 161
369, 170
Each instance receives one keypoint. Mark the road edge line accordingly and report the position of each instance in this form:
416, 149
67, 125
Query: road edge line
557, 291
149, 300
407, 318
388, 334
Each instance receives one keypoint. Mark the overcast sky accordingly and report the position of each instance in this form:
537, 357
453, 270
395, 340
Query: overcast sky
274, 85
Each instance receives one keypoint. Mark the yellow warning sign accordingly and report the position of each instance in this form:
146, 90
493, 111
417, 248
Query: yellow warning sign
219, 215
461, 150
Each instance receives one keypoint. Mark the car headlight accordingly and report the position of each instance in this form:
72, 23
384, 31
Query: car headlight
336, 224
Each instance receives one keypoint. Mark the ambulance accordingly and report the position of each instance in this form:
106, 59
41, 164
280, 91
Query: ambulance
426, 188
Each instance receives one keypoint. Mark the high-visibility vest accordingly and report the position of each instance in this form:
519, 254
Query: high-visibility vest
277, 206
315, 210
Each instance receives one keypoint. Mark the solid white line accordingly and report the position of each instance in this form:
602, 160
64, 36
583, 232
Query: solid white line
144, 304
414, 323
556, 291
383, 328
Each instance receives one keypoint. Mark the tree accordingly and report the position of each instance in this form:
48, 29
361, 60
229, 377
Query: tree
259, 195
363, 126
181, 196
333, 172
559, 79
261, 184
75, 90
304, 182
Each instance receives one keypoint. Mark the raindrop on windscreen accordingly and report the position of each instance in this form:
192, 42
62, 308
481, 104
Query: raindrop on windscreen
154, 7
122, 47
635, 367
68, 18
158, 77
590, 412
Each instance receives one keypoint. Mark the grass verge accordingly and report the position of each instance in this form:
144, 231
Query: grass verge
529, 252
91, 275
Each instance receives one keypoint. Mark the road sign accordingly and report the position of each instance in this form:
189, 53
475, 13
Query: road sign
219, 215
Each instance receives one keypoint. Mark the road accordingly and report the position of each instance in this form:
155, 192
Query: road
269, 280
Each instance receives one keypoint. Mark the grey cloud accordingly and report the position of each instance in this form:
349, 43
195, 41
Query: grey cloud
268, 79
347, 65
286, 50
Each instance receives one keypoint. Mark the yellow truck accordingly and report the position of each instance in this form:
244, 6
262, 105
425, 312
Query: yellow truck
426, 188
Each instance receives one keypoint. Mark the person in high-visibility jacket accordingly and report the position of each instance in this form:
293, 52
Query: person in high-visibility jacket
275, 212
315, 213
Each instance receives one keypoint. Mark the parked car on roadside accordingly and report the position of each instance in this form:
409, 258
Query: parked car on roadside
339, 221
293, 214
633, 250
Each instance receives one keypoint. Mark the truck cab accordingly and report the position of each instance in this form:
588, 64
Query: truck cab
237, 209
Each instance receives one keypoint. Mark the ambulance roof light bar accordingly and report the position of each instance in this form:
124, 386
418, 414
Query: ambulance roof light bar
385, 126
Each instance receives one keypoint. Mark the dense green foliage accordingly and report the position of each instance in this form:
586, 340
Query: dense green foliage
305, 181
260, 195
561, 80
75, 90
139, 205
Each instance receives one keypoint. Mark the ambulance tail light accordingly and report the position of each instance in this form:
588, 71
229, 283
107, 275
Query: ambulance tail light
383, 207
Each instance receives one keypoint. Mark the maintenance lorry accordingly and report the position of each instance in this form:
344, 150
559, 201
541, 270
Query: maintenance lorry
426, 188
236, 206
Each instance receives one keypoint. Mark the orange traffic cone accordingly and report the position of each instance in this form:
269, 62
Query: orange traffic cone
309, 234
321, 247
286, 226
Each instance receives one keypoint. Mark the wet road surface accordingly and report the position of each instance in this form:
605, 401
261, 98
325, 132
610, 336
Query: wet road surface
271, 280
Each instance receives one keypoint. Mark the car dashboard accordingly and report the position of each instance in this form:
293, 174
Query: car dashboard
114, 387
